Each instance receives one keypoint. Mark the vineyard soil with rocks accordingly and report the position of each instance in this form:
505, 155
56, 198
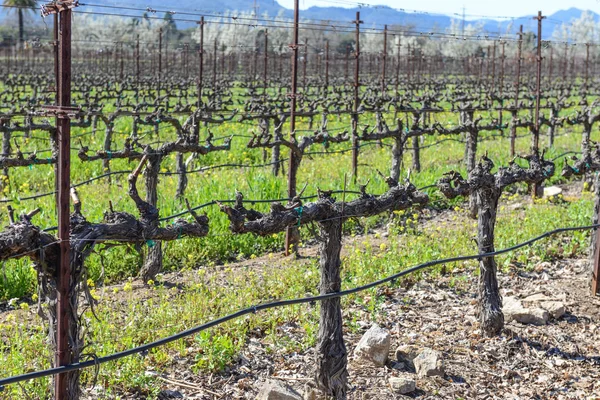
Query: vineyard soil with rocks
559, 359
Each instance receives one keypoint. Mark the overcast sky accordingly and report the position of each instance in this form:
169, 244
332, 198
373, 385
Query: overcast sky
508, 8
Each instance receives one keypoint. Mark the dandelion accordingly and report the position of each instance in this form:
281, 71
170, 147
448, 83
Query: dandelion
382, 246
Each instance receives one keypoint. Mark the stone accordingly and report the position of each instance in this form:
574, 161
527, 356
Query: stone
552, 191
429, 363
374, 346
514, 310
406, 354
536, 297
555, 308
402, 385
275, 390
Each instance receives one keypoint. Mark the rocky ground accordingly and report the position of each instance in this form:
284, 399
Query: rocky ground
553, 353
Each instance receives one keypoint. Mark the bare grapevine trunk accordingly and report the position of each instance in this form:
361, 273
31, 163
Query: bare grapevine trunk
293, 233
4, 180
471, 154
416, 164
275, 152
585, 153
153, 263
397, 152
513, 132
332, 356
182, 176
490, 303
107, 142
551, 128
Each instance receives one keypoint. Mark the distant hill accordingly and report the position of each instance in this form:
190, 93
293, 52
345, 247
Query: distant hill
372, 16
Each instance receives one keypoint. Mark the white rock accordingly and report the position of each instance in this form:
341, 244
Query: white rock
406, 354
429, 363
402, 385
275, 390
374, 346
536, 297
552, 191
514, 311
555, 308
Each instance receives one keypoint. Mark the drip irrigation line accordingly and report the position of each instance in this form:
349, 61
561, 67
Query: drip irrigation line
564, 155
96, 361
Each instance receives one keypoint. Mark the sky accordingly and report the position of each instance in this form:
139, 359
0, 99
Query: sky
475, 8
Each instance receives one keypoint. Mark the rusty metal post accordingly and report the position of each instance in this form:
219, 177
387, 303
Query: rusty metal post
513, 132
356, 100
550, 67
503, 43
538, 90
537, 189
254, 62
137, 60
399, 45
326, 66
214, 75
64, 310
493, 65
160, 32
383, 61
200, 61
290, 233
266, 60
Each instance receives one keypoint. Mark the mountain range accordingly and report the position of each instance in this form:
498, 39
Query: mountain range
373, 16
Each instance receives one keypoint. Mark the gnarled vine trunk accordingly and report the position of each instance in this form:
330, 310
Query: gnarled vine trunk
332, 356
490, 303
397, 152
153, 263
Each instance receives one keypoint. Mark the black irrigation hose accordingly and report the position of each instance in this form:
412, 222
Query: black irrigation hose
265, 306
565, 154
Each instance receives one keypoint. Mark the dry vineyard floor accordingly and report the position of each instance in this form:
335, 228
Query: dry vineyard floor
560, 360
